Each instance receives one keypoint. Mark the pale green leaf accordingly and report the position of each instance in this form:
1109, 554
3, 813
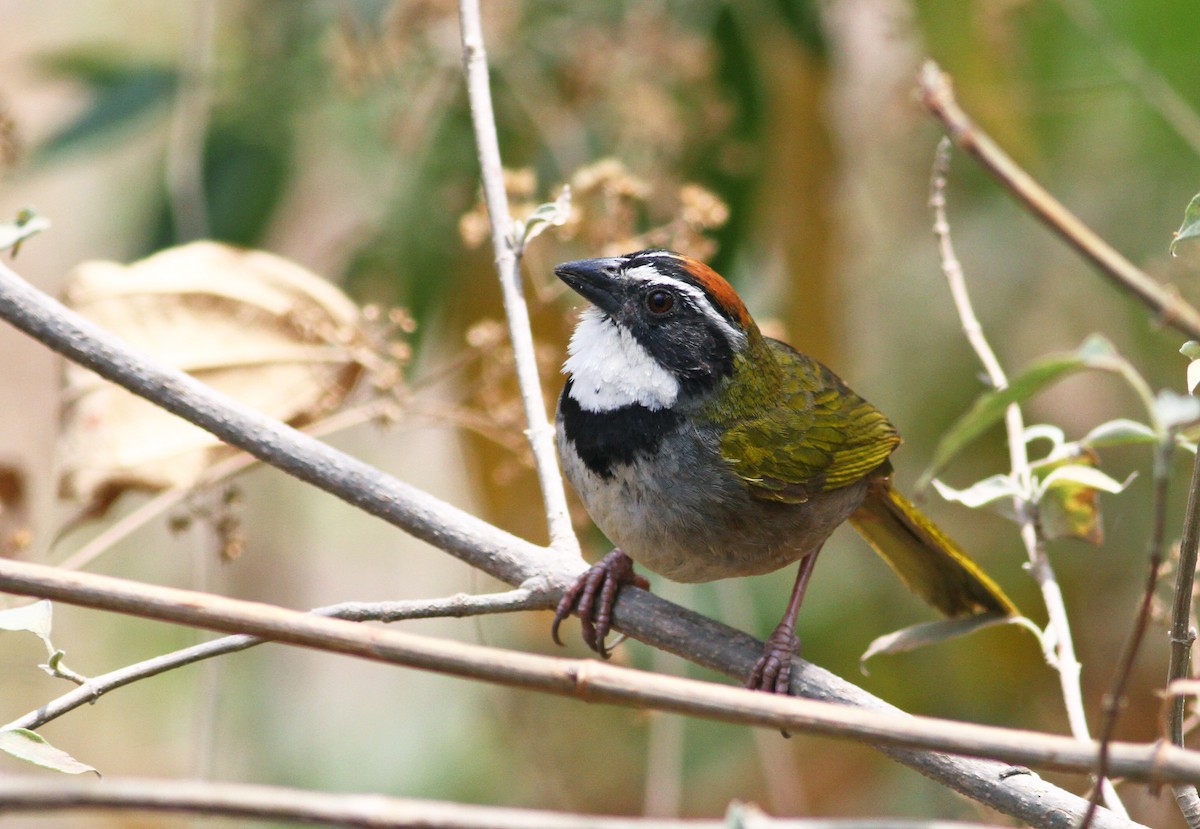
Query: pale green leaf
1171, 409
930, 633
979, 494
1118, 432
34, 618
1190, 349
1046, 431
32, 748
1096, 353
1079, 475
547, 215
27, 223
1190, 229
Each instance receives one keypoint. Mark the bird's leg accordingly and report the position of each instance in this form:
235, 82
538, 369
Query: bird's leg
593, 597
773, 670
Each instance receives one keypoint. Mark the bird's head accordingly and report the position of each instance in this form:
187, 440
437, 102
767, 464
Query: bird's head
661, 326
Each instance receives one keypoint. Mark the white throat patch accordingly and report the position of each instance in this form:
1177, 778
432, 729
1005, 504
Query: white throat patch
611, 369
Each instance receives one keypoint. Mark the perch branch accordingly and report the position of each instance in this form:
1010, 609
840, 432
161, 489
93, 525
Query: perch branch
591, 680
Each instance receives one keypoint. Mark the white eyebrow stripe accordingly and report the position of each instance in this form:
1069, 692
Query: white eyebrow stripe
699, 300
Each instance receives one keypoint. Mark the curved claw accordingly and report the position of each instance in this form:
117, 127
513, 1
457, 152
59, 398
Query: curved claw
592, 597
773, 670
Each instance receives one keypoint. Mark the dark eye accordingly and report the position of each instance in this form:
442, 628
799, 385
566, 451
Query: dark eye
660, 301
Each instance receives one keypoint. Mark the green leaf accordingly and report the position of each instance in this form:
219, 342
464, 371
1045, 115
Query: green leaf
34, 618
1190, 229
32, 748
1118, 432
979, 494
930, 633
1171, 409
121, 90
27, 223
546, 215
1190, 349
1084, 476
1096, 352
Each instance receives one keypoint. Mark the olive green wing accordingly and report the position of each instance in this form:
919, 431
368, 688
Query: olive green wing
814, 435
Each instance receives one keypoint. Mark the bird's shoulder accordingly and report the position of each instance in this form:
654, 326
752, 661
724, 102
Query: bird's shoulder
791, 428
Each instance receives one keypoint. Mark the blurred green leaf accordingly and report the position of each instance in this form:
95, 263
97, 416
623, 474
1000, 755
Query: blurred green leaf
27, 223
930, 633
35, 618
32, 748
1190, 229
1190, 349
121, 90
1081, 475
1173, 410
1118, 432
1096, 352
544, 216
979, 494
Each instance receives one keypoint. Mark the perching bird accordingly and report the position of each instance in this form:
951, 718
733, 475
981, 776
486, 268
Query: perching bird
705, 450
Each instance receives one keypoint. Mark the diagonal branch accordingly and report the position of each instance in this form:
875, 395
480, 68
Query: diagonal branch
476, 542
1169, 308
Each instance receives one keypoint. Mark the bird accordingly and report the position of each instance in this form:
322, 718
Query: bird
705, 450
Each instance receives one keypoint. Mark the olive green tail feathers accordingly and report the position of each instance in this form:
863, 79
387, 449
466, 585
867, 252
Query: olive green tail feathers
925, 559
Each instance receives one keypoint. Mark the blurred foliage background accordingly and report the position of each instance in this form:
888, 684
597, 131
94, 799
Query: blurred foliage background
781, 140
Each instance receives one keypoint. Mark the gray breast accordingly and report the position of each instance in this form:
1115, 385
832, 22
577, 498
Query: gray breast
682, 512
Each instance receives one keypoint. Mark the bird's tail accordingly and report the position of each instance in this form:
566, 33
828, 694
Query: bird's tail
925, 559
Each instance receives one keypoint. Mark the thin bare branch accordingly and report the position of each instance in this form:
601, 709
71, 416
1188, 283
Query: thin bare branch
1066, 664
22, 793
1182, 637
1169, 308
593, 681
460, 605
1156, 544
507, 249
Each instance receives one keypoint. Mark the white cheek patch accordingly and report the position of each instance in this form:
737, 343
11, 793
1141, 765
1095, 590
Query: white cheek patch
611, 369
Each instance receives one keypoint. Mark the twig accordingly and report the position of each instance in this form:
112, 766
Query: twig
1065, 662
1116, 695
455, 606
26, 793
591, 680
1182, 637
1169, 308
641, 615
506, 249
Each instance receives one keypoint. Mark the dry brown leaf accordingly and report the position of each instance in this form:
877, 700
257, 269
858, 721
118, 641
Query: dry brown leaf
251, 324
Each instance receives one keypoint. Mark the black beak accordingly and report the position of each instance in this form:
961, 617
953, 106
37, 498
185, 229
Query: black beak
596, 280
